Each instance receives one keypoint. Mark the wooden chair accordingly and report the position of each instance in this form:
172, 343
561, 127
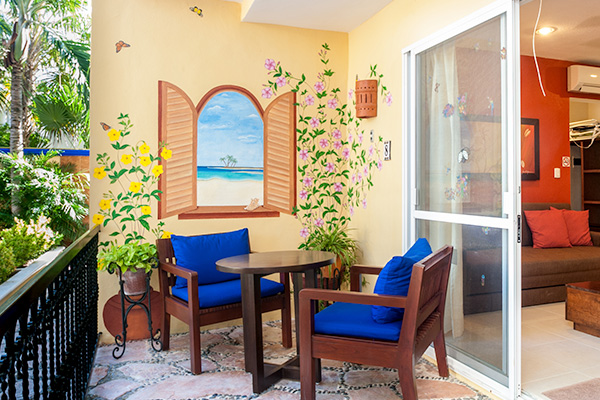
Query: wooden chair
196, 317
422, 324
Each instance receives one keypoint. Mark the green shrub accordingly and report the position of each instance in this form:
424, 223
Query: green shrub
7, 262
29, 241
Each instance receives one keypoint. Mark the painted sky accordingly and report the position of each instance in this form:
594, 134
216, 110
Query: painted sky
230, 125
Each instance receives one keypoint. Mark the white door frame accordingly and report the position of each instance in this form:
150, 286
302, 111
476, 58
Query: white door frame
512, 197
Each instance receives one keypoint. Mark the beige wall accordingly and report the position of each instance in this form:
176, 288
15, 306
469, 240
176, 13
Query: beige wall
380, 41
168, 42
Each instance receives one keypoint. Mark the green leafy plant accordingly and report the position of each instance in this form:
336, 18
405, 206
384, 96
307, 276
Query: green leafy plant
128, 257
133, 174
7, 262
334, 240
28, 241
44, 189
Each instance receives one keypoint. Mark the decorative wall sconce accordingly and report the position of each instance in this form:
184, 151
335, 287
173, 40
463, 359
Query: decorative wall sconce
366, 98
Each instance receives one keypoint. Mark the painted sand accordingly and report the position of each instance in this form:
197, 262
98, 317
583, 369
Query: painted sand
221, 192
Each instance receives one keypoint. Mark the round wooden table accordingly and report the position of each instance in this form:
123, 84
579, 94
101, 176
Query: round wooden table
251, 267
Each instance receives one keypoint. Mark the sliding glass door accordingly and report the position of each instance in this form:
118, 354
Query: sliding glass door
463, 184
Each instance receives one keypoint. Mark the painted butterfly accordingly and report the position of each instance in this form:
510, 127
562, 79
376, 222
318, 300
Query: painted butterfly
197, 11
105, 126
120, 44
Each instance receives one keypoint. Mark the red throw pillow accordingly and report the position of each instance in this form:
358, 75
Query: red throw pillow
578, 227
548, 229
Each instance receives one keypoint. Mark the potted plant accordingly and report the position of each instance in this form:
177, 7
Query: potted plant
127, 206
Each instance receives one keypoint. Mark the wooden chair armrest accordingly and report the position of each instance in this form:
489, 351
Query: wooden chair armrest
595, 238
307, 295
191, 276
355, 275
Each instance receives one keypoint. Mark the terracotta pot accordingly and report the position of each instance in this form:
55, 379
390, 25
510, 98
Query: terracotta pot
333, 270
134, 283
366, 98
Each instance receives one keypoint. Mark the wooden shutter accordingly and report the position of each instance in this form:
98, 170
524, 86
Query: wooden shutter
177, 126
280, 154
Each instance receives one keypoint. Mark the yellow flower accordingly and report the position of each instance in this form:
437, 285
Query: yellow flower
99, 172
97, 219
157, 170
105, 204
144, 148
113, 134
166, 235
166, 153
146, 210
135, 187
145, 161
126, 158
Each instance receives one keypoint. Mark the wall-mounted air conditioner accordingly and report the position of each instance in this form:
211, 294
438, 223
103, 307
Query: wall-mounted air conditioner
584, 79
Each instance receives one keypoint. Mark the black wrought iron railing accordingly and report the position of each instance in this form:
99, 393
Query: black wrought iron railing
49, 327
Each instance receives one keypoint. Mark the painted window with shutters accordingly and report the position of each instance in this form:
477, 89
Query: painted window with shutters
227, 151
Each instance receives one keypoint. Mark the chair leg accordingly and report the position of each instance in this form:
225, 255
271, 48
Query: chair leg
408, 383
195, 349
165, 331
439, 345
307, 375
286, 326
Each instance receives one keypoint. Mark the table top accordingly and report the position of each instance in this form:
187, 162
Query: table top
276, 261
593, 286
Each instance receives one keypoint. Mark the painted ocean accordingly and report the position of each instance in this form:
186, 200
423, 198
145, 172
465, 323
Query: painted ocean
230, 174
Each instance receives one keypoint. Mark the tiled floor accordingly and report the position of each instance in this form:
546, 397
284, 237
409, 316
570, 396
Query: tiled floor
553, 353
142, 374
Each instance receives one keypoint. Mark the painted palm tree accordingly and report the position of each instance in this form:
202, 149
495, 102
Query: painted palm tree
229, 161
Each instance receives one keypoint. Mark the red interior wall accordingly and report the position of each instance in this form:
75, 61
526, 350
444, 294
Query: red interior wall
553, 113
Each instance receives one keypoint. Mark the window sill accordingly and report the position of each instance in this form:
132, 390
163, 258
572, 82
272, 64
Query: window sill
221, 212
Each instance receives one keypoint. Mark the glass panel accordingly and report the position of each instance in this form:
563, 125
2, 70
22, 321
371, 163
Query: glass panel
460, 153
475, 320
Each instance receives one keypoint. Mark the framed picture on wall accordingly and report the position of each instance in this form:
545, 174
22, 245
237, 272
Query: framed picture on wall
530, 149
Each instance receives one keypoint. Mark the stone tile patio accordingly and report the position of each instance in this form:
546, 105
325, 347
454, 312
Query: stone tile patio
143, 374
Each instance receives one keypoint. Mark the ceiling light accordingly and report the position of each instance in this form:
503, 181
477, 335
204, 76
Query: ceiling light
593, 76
545, 30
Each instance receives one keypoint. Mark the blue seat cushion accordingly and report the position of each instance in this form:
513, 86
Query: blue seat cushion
394, 279
200, 253
345, 319
228, 292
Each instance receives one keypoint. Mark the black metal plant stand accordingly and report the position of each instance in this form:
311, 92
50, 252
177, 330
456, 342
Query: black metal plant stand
121, 340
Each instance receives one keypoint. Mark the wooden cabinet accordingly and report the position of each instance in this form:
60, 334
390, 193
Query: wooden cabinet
590, 183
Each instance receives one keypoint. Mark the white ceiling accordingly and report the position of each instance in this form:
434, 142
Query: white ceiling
577, 37
329, 15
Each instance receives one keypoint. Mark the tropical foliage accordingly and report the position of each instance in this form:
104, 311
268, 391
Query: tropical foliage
133, 173
44, 189
337, 162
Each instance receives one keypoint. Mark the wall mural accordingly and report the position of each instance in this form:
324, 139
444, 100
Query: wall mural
230, 152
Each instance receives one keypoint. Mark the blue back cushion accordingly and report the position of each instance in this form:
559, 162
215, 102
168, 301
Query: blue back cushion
200, 253
394, 279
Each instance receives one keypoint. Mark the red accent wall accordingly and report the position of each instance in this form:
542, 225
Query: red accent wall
553, 113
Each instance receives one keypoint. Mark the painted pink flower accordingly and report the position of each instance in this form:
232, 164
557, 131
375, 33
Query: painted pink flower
379, 165
364, 203
323, 143
350, 138
267, 93
281, 81
310, 100
337, 134
303, 194
319, 222
366, 171
307, 181
371, 150
270, 64
332, 103
360, 138
346, 153
388, 99
351, 210
337, 187
319, 86
337, 144
314, 122
303, 154
304, 232
359, 177
353, 178
350, 94
330, 167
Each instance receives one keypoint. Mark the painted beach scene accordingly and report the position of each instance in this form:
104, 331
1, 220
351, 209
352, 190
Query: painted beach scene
230, 151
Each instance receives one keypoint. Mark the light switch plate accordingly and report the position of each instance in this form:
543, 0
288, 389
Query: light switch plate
557, 173
387, 150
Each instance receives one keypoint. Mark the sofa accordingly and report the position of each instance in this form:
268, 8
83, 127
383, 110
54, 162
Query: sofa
544, 272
